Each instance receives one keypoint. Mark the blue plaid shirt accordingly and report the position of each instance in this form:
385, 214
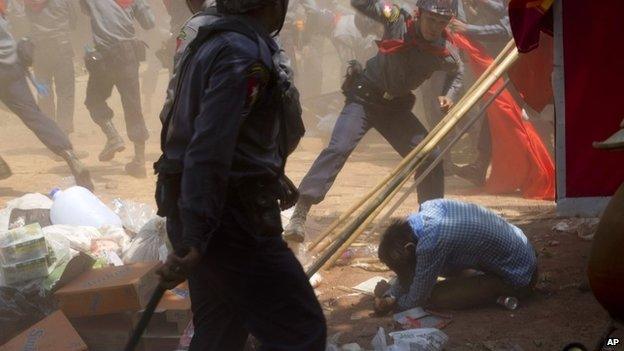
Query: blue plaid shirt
454, 236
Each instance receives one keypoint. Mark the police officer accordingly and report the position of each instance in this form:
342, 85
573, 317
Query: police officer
221, 183
16, 95
115, 63
51, 22
380, 97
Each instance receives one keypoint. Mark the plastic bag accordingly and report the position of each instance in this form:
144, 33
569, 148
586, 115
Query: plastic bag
149, 244
79, 237
134, 215
26, 202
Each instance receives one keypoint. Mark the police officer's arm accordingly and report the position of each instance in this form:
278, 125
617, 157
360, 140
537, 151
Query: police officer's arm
492, 31
226, 96
379, 10
144, 15
455, 76
73, 16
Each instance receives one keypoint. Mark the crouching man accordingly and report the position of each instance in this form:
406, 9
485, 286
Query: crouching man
481, 255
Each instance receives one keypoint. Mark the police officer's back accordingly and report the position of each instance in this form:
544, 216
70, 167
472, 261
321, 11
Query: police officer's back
224, 145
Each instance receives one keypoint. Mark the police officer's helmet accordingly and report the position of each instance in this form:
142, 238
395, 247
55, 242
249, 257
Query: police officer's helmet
441, 7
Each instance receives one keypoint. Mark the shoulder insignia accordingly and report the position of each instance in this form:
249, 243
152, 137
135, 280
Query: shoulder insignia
391, 12
257, 79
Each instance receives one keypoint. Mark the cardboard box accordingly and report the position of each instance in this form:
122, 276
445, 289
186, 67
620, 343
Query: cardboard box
53, 333
109, 290
172, 314
105, 333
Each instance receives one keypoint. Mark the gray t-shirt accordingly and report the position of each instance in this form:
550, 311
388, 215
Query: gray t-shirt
56, 19
8, 47
112, 24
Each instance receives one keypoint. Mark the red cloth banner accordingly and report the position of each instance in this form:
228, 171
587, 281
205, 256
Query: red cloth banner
532, 75
528, 19
520, 161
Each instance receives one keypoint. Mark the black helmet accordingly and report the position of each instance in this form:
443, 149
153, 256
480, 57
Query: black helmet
440, 7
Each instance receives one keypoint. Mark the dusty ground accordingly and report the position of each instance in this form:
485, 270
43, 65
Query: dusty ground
562, 311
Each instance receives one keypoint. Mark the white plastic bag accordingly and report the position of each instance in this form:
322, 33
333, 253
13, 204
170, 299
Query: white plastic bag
134, 215
423, 339
149, 244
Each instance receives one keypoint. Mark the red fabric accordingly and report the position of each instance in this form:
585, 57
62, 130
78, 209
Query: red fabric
532, 75
124, 3
593, 51
528, 18
2, 7
519, 158
35, 5
392, 46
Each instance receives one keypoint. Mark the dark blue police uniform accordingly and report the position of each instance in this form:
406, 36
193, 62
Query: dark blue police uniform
219, 189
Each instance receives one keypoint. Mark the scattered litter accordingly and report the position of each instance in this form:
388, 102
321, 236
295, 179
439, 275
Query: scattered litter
424, 339
584, 228
371, 267
419, 318
134, 215
316, 280
368, 287
149, 244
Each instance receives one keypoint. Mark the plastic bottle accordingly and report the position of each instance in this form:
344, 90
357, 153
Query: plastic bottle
78, 206
509, 302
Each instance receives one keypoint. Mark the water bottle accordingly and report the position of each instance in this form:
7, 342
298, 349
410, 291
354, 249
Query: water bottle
509, 302
79, 207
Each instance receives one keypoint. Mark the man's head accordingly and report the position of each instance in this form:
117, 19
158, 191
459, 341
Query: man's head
397, 250
271, 13
435, 16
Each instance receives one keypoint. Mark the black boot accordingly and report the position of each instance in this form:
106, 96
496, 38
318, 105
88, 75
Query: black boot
114, 142
475, 173
5, 170
78, 169
136, 167
295, 230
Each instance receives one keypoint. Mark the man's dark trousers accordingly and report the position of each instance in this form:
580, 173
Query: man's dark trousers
250, 282
398, 126
54, 67
124, 75
16, 95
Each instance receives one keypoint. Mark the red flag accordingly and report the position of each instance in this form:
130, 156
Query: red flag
532, 75
528, 18
519, 158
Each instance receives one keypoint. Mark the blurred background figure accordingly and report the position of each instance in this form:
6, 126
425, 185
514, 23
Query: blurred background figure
51, 23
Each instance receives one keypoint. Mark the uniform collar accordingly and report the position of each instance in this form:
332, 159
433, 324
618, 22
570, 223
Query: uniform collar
259, 28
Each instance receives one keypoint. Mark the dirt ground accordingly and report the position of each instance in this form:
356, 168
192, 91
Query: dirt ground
563, 310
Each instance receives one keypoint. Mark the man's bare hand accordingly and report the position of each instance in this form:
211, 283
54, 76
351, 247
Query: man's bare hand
177, 269
382, 288
445, 104
384, 305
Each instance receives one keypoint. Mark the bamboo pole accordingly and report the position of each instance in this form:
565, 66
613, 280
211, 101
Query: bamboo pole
439, 158
416, 156
325, 238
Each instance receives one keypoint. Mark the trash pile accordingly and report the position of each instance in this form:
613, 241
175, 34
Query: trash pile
75, 274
